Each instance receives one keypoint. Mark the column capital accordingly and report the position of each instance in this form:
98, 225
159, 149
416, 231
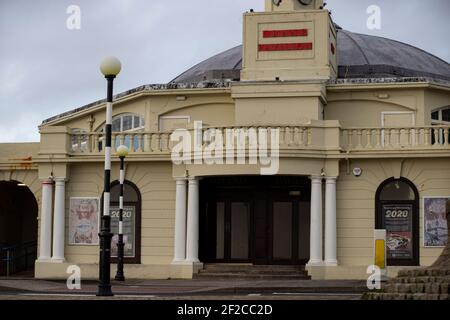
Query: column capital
180, 180
48, 181
194, 179
60, 180
331, 179
316, 179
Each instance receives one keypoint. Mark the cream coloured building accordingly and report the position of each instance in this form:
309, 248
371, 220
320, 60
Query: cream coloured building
363, 144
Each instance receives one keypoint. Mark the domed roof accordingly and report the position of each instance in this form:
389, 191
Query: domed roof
359, 56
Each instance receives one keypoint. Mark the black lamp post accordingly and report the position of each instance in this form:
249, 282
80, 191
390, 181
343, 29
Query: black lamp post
122, 152
110, 67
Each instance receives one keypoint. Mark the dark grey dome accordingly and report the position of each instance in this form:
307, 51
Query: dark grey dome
359, 55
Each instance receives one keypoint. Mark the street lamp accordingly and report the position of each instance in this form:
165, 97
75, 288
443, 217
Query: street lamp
122, 152
110, 67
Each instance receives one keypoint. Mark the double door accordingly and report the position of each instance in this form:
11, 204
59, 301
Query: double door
255, 226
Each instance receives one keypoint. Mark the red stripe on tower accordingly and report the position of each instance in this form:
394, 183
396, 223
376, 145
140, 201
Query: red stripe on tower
285, 46
285, 33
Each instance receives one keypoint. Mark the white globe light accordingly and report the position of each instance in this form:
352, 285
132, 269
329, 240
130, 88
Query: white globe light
110, 66
122, 151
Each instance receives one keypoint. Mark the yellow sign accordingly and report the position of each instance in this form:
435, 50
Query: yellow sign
380, 253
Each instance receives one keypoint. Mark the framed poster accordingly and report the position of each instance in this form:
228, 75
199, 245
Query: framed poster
399, 230
435, 221
84, 217
129, 218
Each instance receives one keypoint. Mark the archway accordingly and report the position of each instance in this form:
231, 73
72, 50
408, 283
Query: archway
18, 228
397, 211
131, 221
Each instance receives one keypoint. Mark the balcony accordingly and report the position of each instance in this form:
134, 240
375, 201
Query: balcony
319, 139
404, 139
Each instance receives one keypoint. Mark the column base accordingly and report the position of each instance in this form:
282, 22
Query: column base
315, 263
57, 260
44, 259
179, 261
331, 263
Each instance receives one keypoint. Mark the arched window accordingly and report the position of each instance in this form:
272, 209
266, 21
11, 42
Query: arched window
441, 116
125, 123
397, 211
131, 221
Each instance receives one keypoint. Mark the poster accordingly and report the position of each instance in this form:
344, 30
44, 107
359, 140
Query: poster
84, 219
435, 221
399, 230
129, 214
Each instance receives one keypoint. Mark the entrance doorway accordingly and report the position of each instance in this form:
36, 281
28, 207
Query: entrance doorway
258, 220
397, 211
18, 228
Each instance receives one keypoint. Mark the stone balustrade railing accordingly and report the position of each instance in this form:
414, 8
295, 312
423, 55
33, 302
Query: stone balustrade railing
289, 138
160, 142
398, 138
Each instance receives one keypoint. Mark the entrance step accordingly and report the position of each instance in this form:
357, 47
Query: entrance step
249, 272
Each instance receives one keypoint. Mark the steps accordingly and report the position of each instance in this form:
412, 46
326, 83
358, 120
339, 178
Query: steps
416, 284
252, 272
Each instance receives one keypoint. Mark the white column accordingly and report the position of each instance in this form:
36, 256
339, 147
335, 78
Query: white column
180, 221
316, 243
45, 239
193, 221
330, 222
59, 224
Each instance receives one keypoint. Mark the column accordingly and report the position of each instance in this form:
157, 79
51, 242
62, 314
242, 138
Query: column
316, 223
180, 221
59, 224
45, 239
193, 221
330, 222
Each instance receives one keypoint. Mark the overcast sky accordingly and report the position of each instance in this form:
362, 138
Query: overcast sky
47, 69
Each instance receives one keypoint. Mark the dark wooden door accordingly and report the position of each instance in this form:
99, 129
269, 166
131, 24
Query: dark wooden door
260, 224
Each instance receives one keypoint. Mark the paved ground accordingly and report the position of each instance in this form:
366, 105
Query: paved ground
31, 289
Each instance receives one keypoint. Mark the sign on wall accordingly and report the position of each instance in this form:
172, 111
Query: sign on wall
84, 217
398, 220
129, 218
435, 221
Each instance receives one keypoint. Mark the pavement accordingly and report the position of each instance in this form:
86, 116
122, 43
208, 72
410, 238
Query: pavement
33, 289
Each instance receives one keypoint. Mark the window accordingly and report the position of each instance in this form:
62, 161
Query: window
440, 117
397, 190
79, 140
446, 115
435, 115
126, 123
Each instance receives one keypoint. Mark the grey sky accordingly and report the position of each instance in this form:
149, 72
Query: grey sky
46, 69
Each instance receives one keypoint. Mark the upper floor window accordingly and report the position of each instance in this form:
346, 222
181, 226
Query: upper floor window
441, 116
127, 122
